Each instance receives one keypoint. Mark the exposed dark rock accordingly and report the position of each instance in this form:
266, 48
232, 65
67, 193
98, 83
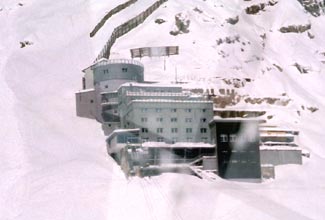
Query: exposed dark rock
312, 109
295, 28
301, 69
160, 21
310, 35
229, 40
196, 9
182, 23
254, 9
233, 21
314, 7
278, 67
25, 43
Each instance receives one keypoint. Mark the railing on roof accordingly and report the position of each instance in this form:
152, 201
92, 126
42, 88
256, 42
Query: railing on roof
178, 94
118, 61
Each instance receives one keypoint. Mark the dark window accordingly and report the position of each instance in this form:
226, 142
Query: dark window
203, 119
188, 130
174, 130
160, 139
124, 69
188, 110
203, 130
173, 119
159, 119
160, 130
91, 101
144, 130
204, 110
173, 110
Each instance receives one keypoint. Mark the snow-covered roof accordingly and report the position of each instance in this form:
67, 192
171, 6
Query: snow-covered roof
104, 61
86, 90
279, 147
121, 131
177, 145
219, 119
170, 101
153, 85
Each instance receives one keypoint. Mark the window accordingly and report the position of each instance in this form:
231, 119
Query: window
188, 110
91, 101
160, 139
158, 109
106, 86
174, 140
204, 110
203, 130
188, 120
203, 119
159, 119
124, 69
105, 71
173, 110
188, 130
144, 130
144, 119
173, 119
144, 109
160, 130
174, 130
189, 139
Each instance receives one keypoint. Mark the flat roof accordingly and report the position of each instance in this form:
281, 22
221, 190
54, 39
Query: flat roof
121, 131
170, 100
86, 90
219, 119
177, 145
158, 85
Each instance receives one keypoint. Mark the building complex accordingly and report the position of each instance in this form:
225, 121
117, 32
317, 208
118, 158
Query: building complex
152, 127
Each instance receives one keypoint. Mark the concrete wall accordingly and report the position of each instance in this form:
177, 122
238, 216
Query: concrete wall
113, 84
160, 115
86, 104
89, 78
118, 71
278, 157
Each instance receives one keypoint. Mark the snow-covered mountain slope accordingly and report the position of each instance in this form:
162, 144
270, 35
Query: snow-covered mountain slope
54, 165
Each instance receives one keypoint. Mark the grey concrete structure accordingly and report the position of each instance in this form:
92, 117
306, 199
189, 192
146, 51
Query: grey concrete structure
281, 155
86, 104
105, 76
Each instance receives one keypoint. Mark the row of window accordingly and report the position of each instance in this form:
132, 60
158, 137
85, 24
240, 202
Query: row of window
174, 139
159, 119
171, 110
123, 70
174, 130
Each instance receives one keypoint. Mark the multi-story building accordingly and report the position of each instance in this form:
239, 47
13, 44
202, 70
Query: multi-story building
105, 76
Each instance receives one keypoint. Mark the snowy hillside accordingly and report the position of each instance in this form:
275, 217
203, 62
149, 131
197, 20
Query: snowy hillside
55, 166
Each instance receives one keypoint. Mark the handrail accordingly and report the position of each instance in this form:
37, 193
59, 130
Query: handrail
118, 61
